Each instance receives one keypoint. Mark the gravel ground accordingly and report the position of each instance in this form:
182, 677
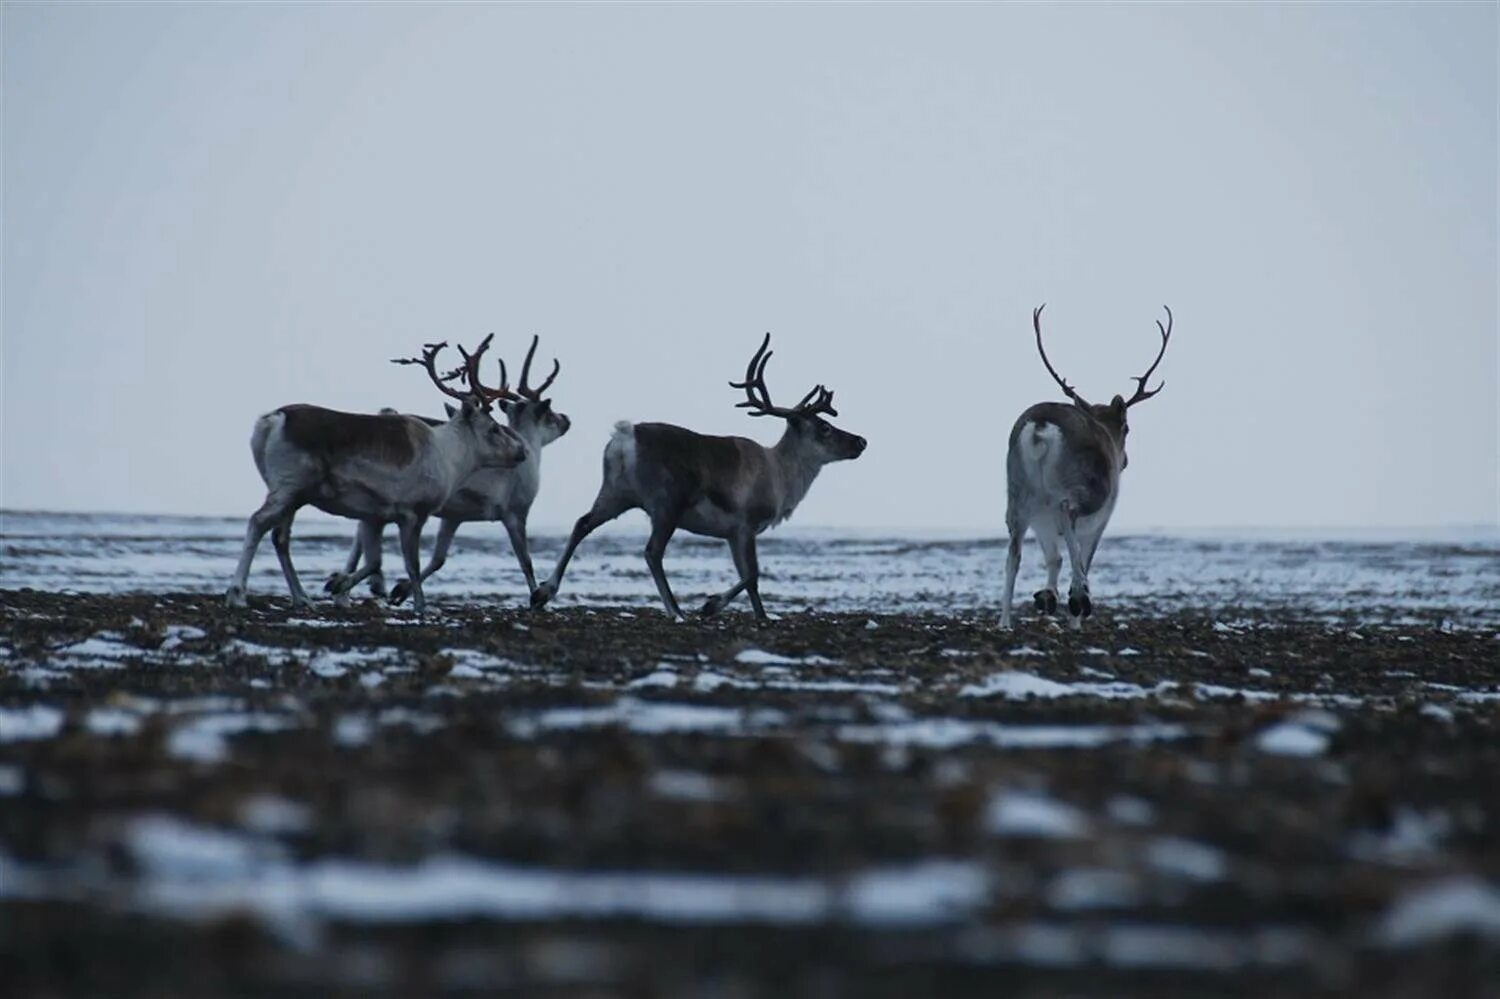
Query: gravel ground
598, 802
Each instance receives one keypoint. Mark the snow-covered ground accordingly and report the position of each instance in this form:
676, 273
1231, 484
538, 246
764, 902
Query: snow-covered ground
1452, 574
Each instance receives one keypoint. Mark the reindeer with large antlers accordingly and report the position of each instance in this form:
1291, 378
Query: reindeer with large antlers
371, 468
503, 494
720, 487
1063, 476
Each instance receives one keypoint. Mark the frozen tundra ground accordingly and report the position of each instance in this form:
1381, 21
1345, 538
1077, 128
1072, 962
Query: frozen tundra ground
1268, 766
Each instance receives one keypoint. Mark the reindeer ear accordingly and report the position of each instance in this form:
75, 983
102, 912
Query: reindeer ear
1118, 405
450, 410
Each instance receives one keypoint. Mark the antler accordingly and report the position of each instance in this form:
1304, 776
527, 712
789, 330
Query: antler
534, 394
428, 360
1036, 324
758, 398
1141, 395
471, 370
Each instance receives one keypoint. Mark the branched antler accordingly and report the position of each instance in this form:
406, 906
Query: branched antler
428, 360
1036, 324
471, 371
534, 394
758, 398
1141, 395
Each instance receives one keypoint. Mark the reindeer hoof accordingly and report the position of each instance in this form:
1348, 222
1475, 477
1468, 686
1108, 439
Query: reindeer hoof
711, 606
1079, 605
1046, 601
377, 585
400, 591
541, 595
235, 597
335, 583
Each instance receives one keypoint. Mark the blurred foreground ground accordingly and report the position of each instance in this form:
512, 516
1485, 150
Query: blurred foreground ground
595, 802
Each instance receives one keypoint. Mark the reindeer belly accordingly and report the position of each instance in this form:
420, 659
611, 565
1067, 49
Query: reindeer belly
468, 504
710, 519
368, 498
353, 502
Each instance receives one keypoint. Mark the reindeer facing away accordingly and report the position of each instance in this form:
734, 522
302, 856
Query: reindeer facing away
504, 494
372, 468
720, 487
1063, 475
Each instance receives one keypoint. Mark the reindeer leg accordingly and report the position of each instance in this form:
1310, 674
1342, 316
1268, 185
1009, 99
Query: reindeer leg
411, 550
1046, 599
338, 583
277, 506
372, 540
752, 579
1079, 605
1093, 546
662, 528
1012, 566
446, 530
607, 506
719, 601
367, 541
281, 540
515, 526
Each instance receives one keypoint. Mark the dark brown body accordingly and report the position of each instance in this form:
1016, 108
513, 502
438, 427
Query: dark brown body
706, 475
389, 439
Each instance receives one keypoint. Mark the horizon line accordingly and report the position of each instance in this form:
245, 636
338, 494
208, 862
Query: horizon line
974, 530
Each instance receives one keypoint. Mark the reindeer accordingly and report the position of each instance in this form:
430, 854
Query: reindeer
721, 487
505, 495
1063, 476
372, 468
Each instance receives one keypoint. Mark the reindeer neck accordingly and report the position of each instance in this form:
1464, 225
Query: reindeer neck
456, 450
799, 465
532, 435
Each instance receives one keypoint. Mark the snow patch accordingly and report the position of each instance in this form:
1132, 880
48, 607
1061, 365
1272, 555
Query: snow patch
1186, 859
203, 739
39, 721
1032, 814
1017, 685
760, 657
650, 718
112, 721
1088, 889
1442, 909
945, 733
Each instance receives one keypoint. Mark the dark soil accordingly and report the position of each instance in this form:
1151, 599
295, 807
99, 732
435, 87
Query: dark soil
802, 801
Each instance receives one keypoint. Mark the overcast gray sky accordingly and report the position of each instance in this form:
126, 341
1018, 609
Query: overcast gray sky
213, 211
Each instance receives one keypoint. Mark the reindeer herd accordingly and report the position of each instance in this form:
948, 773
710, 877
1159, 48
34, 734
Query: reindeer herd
1063, 468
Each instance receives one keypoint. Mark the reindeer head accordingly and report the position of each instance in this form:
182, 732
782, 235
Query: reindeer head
497, 446
494, 445
805, 422
1111, 417
525, 409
